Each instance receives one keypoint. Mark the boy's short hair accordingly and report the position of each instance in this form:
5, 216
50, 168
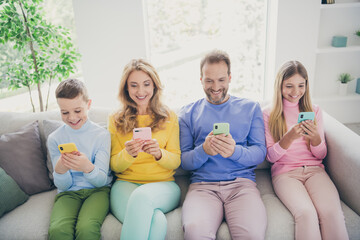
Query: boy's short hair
71, 88
215, 56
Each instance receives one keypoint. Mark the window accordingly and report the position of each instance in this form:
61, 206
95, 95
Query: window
182, 31
59, 13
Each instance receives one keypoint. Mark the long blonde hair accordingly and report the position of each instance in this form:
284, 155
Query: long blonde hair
125, 118
277, 123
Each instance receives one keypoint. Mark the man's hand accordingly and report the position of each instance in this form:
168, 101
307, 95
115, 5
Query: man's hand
207, 145
223, 145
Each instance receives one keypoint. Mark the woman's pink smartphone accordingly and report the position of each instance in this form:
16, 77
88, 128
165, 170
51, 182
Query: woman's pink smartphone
143, 133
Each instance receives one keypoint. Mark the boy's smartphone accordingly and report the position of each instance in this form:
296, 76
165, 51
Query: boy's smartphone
143, 133
220, 128
67, 148
306, 116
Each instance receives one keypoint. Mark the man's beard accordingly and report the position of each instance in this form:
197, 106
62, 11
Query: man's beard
223, 95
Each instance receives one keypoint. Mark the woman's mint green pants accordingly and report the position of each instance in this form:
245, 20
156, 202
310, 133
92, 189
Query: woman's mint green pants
141, 208
79, 214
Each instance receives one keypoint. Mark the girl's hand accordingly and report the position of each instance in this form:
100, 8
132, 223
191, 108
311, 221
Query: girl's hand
152, 147
310, 132
294, 133
133, 147
77, 161
223, 145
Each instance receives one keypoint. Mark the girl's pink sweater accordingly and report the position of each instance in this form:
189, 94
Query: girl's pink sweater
298, 154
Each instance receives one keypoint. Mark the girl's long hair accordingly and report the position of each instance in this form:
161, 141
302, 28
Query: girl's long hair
125, 118
277, 123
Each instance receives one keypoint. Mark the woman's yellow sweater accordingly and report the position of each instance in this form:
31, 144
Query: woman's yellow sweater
144, 168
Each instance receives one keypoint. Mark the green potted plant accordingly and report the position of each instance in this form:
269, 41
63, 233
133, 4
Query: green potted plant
357, 33
344, 79
45, 52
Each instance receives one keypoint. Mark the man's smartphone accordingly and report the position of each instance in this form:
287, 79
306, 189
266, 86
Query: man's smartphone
306, 116
142, 133
67, 148
220, 128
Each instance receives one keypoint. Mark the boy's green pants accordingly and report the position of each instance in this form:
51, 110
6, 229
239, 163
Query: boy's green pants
79, 214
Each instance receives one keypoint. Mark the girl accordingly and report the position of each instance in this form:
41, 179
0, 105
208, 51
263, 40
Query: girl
145, 187
296, 151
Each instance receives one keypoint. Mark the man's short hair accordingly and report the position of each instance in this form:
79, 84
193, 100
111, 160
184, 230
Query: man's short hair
71, 88
215, 56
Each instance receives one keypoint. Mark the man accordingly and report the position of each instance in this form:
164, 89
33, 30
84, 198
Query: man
222, 166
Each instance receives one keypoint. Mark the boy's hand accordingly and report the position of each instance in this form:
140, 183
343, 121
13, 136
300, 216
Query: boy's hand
209, 150
133, 147
78, 162
152, 147
223, 145
60, 167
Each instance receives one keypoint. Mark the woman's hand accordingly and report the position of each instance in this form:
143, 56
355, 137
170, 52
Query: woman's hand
310, 132
152, 147
133, 147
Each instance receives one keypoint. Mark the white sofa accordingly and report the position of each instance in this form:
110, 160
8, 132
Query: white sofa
31, 219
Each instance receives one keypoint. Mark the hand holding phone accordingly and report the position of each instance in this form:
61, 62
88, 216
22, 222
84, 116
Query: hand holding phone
303, 116
220, 128
67, 148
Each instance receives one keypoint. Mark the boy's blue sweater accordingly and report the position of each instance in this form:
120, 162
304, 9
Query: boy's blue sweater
92, 140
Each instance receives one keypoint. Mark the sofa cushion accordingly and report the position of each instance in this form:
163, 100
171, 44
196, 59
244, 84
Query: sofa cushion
11, 195
49, 126
21, 157
30, 220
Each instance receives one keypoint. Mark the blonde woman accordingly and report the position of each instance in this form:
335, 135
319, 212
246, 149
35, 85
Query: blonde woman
145, 187
297, 151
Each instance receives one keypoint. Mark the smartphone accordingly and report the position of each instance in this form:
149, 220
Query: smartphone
220, 128
142, 133
306, 116
67, 148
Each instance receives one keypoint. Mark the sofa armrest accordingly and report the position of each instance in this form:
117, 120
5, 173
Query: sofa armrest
343, 160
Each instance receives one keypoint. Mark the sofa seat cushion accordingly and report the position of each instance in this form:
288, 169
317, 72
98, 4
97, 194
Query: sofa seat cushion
30, 220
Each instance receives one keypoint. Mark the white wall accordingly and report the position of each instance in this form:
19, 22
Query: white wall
293, 34
109, 36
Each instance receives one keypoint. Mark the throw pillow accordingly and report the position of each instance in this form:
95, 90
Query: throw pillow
49, 126
22, 158
11, 195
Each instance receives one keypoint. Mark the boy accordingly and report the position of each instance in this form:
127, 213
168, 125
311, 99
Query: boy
82, 177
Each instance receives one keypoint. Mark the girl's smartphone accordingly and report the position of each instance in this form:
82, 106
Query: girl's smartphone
306, 116
220, 128
67, 148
